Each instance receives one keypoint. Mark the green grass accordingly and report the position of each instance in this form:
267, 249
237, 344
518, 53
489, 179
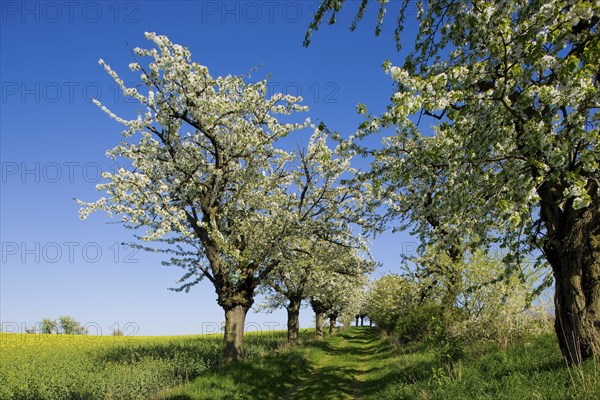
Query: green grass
354, 364
358, 364
528, 369
320, 370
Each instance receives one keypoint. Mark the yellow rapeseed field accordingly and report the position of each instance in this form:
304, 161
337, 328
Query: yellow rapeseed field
40, 366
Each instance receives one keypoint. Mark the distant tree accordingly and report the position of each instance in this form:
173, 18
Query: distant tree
322, 205
335, 289
319, 308
117, 332
295, 279
361, 306
48, 326
31, 329
69, 326
389, 297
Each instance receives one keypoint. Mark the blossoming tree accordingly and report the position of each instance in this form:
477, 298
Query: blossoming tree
512, 91
206, 179
335, 288
323, 206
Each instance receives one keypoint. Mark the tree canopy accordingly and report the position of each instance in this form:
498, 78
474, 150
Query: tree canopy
209, 186
495, 132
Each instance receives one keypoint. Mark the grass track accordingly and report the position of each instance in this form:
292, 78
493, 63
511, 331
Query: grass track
339, 367
358, 364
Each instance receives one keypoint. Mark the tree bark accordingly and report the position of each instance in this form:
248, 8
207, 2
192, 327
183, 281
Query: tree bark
357, 317
319, 310
572, 249
332, 321
293, 321
235, 318
319, 321
577, 297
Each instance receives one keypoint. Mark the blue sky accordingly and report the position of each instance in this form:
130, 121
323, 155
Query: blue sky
53, 141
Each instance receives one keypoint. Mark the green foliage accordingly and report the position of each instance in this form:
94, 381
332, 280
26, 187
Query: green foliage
69, 326
48, 326
390, 297
450, 351
482, 299
419, 323
485, 302
495, 303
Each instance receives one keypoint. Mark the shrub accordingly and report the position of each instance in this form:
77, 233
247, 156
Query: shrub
423, 322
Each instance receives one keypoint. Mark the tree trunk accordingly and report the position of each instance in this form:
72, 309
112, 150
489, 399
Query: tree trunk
319, 320
235, 318
573, 251
293, 323
357, 317
332, 319
577, 297
319, 310
453, 282
362, 320
346, 324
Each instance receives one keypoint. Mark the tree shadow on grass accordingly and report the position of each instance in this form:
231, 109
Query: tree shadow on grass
268, 378
290, 374
421, 372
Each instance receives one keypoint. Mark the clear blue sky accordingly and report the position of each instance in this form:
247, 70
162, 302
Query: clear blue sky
53, 142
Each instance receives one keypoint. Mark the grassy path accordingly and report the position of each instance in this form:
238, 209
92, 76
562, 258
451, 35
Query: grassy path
343, 366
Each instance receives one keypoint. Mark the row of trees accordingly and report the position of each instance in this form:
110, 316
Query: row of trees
332, 280
511, 89
211, 187
491, 138
66, 325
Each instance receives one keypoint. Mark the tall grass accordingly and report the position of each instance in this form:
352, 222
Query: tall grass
531, 368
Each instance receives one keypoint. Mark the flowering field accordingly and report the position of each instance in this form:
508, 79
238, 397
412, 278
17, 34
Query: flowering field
36, 366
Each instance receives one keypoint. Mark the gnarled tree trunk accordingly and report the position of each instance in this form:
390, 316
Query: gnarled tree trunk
293, 321
235, 318
236, 301
573, 251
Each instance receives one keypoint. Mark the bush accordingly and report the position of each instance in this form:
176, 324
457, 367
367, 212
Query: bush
423, 322
388, 299
451, 350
